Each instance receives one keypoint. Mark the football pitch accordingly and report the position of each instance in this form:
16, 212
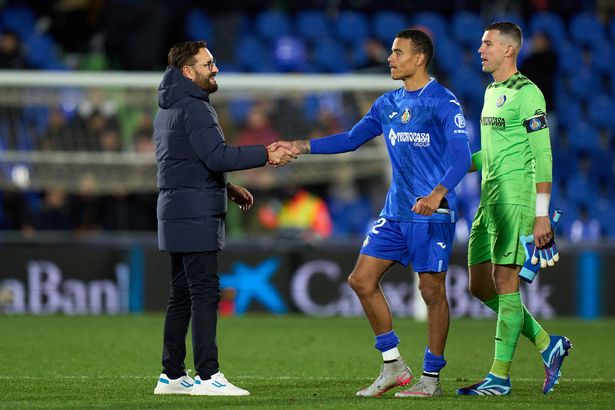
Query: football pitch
285, 362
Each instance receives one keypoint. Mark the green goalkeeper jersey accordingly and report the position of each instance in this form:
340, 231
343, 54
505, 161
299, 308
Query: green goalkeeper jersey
516, 151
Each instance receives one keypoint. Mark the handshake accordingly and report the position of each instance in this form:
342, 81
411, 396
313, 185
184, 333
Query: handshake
547, 255
281, 153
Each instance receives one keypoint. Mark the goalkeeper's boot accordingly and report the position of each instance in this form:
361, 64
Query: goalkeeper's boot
552, 359
217, 385
425, 387
181, 385
392, 374
491, 386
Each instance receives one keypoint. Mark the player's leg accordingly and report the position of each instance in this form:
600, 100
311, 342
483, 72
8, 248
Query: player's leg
501, 280
365, 282
514, 221
380, 249
430, 246
174, 379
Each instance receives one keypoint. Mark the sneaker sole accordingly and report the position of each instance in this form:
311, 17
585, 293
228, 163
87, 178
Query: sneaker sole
218, 394
404, 382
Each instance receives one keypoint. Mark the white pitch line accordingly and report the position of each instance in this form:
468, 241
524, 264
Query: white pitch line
314, 378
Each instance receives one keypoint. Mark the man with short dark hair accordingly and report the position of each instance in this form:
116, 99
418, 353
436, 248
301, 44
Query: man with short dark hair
516, 164
427, 141
193, 160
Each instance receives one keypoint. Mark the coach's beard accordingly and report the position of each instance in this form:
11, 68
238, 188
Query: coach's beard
208, 83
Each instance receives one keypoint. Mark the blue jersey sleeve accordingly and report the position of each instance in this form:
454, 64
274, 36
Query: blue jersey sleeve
363, 131
454, 126
451, 119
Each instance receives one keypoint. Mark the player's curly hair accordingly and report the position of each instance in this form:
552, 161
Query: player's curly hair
421, 43
182, 54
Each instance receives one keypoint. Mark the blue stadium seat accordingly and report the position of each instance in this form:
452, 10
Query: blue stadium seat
448, 56
432, 21
386, 25
569, 111
19, 19
585, 84
290, 54
603, 57
586, 29
583, 137
512, 17
40, 50
239, 108
271, 24
253, 56
570, 57
468, 29
602, 112
199, 27
352, 27
612, 29
330, 57
550, 24
467, 84
312, 25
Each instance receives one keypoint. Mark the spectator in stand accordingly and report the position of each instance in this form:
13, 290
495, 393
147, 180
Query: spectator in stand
585, 228
302, 214
55, 213
258, 128
15, 214
540, 65
377, 54
11, 52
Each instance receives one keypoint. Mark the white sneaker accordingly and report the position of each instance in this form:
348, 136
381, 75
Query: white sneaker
181, 385
216, 386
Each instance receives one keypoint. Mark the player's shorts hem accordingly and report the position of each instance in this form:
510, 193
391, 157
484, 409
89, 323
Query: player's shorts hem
374, 255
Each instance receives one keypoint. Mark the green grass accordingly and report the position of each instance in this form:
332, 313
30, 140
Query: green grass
288, 361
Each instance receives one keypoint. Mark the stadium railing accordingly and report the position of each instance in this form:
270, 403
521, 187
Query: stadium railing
56, 128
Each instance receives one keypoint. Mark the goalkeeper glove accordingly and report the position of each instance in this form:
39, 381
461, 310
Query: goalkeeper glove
547, 256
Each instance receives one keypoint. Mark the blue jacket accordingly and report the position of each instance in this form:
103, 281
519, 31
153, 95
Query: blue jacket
193, 159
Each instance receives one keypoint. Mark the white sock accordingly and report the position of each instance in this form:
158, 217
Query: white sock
391, 354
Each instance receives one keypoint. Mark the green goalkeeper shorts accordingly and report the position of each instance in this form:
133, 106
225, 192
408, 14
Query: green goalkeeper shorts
495, 234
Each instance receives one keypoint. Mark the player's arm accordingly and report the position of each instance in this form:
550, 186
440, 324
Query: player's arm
458, 149
537, 129
477, 161
366, 129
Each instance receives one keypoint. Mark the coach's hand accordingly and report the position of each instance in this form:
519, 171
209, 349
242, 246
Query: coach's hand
241, 196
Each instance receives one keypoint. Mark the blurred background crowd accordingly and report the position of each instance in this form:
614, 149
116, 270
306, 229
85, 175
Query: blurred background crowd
569, 53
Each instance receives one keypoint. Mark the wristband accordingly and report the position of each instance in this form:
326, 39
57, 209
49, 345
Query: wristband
542, 204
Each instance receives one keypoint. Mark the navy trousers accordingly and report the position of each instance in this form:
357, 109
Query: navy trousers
194, 293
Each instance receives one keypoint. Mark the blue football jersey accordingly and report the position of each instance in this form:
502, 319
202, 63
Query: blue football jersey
417, 126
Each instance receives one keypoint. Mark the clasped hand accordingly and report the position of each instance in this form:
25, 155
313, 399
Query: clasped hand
280, 153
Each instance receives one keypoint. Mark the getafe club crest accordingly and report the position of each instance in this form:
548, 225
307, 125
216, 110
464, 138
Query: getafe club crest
500, 101
405, 117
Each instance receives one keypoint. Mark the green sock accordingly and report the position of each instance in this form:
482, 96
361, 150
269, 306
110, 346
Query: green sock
510, 323
531, 328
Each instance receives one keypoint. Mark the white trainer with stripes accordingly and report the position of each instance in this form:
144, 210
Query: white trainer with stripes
181, 385
217, 385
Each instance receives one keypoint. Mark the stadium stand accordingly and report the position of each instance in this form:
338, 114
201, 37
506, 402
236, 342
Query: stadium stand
331, 41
